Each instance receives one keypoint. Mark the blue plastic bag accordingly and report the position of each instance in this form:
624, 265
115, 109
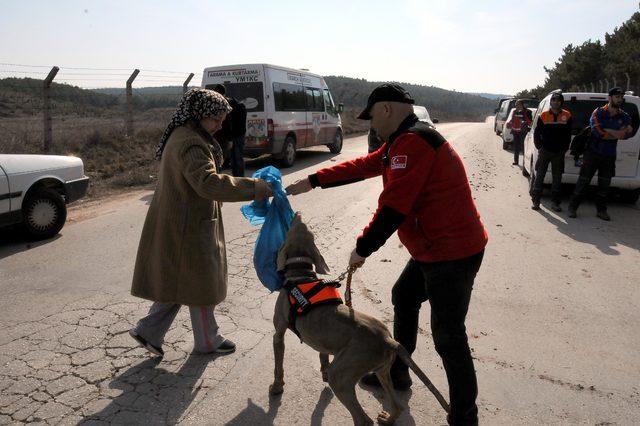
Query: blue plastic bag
275, 217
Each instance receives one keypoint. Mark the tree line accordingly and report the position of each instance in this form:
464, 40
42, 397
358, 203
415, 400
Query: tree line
585, 66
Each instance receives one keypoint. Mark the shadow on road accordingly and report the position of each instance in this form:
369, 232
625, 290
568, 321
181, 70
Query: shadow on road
318, 413
405, 418
153, 395
624, 229
255, 415
13, 241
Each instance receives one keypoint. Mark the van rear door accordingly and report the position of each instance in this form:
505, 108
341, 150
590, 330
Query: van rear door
316, 117
629, 149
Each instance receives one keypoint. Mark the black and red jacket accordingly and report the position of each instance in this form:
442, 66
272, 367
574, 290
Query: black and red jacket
426, 195
553, 131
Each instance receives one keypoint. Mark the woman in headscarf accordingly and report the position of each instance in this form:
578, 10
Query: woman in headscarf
181, 257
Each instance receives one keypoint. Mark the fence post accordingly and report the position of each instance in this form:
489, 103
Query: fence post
601, 90
185, 85
628, 81
129, 115
593, 87
46, 143
606, 87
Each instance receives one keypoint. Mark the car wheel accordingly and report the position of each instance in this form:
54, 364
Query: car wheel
505, 145
630, 196
288, 152
44, 213
336, 146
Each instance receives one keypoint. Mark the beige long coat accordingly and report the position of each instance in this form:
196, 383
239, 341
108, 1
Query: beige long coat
182, 256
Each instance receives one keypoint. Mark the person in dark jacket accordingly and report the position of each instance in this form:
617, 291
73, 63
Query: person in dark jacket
552, 138
519, 124
426, 197
233, 131
609, 123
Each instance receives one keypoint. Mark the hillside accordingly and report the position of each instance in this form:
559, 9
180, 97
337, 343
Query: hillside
23, 97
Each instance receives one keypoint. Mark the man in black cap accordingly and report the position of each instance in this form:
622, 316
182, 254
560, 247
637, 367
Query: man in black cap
426, 197
609, 123
552, 138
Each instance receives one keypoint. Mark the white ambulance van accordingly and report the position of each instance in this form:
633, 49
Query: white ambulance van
287, 109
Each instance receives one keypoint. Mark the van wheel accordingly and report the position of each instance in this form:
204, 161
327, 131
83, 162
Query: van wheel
525, 173
505, 145
44, 213
630, 196
288, 152
336, 146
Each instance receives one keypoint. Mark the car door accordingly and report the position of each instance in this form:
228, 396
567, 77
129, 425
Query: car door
5, 193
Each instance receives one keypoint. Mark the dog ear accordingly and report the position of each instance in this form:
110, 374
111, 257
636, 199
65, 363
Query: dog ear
318, 261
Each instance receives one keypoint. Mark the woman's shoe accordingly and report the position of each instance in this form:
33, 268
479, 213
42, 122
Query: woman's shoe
226, 347
143, 342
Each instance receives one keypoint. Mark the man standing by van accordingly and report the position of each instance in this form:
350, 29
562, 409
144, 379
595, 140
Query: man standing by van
608, 124
426, 197
552, 138
234, 129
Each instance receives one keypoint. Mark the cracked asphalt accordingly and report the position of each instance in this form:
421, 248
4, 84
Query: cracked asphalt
552, 323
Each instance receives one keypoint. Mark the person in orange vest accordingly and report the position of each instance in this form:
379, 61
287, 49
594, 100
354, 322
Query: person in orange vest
520, 123
552, 138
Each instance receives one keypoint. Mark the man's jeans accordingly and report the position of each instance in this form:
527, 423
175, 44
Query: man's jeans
606, 168
447, 286
518, 143
557, 168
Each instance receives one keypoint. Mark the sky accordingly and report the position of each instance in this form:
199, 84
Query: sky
495, 46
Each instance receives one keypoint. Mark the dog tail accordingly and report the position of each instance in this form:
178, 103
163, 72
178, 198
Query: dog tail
406, 358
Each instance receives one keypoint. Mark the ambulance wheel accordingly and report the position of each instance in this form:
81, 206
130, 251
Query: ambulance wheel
336, 146
288, 152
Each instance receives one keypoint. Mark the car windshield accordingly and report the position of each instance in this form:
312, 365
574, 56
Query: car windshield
528, 103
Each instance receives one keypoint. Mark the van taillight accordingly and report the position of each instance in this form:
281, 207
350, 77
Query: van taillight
269, 128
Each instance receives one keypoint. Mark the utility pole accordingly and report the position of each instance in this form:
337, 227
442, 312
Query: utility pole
185, 85
46, 145
129, 114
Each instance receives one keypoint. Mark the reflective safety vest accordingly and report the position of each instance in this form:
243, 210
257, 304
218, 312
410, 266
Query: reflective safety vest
306, 296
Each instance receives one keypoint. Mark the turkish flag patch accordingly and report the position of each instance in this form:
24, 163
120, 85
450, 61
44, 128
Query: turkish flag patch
399, 162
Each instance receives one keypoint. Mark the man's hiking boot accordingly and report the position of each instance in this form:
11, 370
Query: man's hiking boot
604, 216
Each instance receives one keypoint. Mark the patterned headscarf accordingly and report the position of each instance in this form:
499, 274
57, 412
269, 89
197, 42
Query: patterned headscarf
195, 105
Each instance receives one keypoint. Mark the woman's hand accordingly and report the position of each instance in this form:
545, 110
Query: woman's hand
263, 190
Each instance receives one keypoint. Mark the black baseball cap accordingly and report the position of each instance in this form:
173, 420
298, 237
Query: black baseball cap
615, 91
385, 93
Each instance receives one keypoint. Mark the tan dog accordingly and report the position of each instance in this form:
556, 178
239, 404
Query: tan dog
359, 343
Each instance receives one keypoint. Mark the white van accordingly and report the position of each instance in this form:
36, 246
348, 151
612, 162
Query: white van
581, 106
287, 108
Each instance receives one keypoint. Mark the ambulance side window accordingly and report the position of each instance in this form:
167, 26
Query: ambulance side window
288, 97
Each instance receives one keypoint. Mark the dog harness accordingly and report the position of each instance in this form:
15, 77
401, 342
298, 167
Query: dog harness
305, 296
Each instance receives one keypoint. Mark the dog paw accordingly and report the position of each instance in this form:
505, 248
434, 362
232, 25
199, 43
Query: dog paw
385, 418
276, 389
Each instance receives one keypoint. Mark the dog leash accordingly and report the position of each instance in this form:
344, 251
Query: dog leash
347, 291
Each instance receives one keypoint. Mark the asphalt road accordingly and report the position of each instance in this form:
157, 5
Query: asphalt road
553, 320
